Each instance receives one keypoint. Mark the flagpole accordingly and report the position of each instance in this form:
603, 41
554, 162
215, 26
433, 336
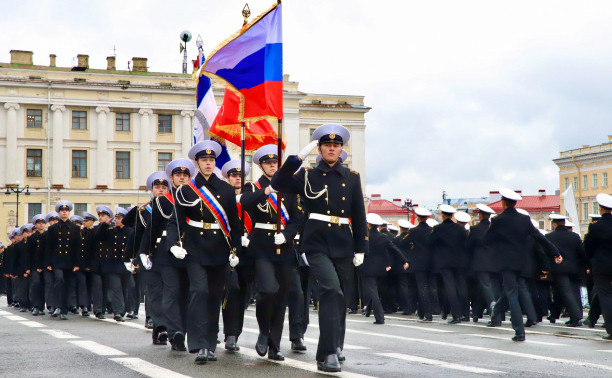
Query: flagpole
279, 195
242, 164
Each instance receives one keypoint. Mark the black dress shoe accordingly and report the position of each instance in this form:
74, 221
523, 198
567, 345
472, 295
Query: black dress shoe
352, 311
551, 319
178, 342
493, 323
118, 318
74, 310
573, 323
211, 356
444, 316
149, 324
231, 344
35, 312
202, 356
41, 312
330, 364
262, 345
475, 319
23, 309
518, 338
427, 319
100, 315
587, 322
465, 318
130, 315
56, 313
607, 337
454, 321
63, 317
275, 356
529, 323
339, 354
368, 312
379, 322
162, 338
298, 345
84, 313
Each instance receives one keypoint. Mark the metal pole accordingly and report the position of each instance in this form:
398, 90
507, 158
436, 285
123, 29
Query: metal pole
279, 196
17, 206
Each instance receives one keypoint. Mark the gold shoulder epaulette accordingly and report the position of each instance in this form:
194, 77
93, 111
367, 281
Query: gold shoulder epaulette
355, 172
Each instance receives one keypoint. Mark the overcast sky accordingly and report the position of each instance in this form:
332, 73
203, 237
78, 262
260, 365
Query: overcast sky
466, 96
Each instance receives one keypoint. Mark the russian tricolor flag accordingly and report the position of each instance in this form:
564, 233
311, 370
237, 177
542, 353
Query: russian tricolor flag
251, 62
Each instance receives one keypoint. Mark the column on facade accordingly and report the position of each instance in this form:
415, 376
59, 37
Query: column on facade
291, 131
187, 129
358, 151
57, 161
11, 141
145, 145
101, 147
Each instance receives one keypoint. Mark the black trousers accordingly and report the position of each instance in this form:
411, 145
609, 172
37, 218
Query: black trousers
48, 288
434, 293
96, 291
236, 300
421, 280
331, 276
273, 280
455, 290
603, 290
174, 288
82, 292
295, 304
543, 298
510, 286
206, 285
489, 286
22, 286
134, 292
297, 330
154, 288
10, 298
62, 279
406, 292
37, 295
371, 297
117, 285
565, 292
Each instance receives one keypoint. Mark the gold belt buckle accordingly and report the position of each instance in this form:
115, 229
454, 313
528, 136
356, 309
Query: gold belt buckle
206, 226
334, 219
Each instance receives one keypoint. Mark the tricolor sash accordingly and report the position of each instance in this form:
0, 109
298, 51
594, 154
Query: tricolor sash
169, 197
213, 206
149, 208
273, 200
248, 222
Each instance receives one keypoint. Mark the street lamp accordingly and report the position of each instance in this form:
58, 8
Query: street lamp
17, 190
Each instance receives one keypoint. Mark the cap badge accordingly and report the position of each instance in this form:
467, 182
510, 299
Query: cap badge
271, 156
332, 136
238, 169
183, 168
208, 151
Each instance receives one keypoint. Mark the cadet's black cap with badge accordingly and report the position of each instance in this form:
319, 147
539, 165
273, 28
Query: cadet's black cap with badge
266, 153
63, 205
89, 216
232, 167
157, 178
181, 165
331, 133
104, 210
205, 149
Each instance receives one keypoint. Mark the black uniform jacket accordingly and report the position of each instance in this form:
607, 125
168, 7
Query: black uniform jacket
571, 248
379, 257
8, 259
262, 241
481, 257
109, 257
21, 263
343, 198
205, 246
154, 240
63, 245
598, 245
447, 244
507, 236
87, 247
401, 241
536, 260
138, 218
36, 250
418, 254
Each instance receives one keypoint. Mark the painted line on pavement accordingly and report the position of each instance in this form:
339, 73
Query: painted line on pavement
582, 328
33, 324
15, 317
605, 350
489, 350
311, 367
146, 368
127, 324
443, 364
99, 349
59, 334
308, 340
2, 312
505, 338
421, 328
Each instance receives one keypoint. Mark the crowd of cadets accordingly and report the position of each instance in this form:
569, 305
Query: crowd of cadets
204, 243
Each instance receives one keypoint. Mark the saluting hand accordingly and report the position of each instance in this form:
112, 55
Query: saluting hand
49, 268
406, 266
559, 259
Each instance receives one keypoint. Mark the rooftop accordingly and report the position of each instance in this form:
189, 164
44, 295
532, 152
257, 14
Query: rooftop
546, 203
584, 150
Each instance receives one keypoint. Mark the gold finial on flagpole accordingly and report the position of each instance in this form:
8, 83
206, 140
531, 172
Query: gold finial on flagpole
246, 13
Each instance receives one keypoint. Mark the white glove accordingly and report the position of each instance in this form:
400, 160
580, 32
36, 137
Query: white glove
129, 266
279, 239
245, 241
272, 190
308, 149
178, 252
358, 259
233, 260
146, 261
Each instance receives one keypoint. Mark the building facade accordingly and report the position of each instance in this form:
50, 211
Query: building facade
92, 136
587, 170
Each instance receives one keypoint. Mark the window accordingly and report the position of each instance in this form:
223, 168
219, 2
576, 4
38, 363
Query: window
604, 179
79, 163
311, 131
124, 205
595, 208
122, 164
80, 208
163, 159
566, 182
34, 118
575, 183
585, 211
164, 123
248, 161
585, 182
122, 122
34, 209
79, 120
34, 163
541, 225
594, 180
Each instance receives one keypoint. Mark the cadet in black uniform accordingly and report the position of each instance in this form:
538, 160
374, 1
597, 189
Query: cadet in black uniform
84, 274
119, 275
62, 248
51, 219
209, 229
274, 256
111, 264
36, 251
507, 236
331, 195
9, 262
235, 302
598, 247
21, 269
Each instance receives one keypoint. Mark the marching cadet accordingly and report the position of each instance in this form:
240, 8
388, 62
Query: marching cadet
447, 244
152, 256
174, 275
331, 195
109, 267
235, 298
567, 275
208, 229
36, 251
21, 268
9, 265
2, 277
274, 257
96, 263
376, 265
119, 276
402, 280
77, 294
598, 247
507, 236
83, 276
482, 259
61, 254
51, 219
